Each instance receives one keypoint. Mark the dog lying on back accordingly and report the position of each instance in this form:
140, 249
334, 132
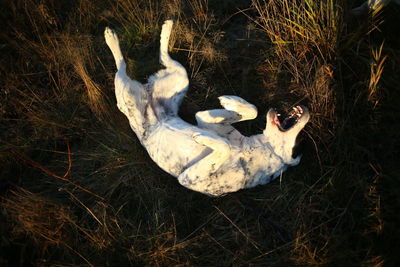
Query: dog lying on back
213, 157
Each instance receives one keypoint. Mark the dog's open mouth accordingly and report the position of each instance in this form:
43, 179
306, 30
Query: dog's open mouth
286, 123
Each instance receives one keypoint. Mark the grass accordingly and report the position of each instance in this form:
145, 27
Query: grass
78, 189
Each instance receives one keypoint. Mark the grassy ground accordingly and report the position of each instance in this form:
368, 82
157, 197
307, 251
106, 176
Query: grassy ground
78, 189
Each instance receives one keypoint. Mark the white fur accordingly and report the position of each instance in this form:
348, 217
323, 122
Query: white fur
212, 157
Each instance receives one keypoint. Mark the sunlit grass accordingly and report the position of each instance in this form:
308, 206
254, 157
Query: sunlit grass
79, 189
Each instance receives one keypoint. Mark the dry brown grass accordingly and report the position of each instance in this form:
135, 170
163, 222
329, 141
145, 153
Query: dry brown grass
114, 207
305, 38
195, 33
42, 220
377, 64
50, 224
81, 57
139, 18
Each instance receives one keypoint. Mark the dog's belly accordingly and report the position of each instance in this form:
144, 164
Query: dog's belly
171, 146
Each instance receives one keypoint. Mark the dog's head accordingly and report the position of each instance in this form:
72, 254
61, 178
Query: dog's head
281, 132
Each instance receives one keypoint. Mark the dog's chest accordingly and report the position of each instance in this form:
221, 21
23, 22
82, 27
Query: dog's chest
259, 164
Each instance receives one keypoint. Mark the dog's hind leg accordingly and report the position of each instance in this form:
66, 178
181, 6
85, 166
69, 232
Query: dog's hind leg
199, 176
132, 98
165, 59
169, 85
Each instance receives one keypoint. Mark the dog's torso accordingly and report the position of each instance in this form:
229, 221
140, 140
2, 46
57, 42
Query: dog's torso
170, 144
250, 162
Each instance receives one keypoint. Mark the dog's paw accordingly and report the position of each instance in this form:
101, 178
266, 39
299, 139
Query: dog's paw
239, 105
166, 30
111, 37
167, 25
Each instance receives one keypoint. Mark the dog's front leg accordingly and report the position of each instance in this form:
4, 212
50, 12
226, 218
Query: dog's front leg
201, 175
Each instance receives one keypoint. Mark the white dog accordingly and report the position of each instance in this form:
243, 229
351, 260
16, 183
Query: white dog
372, 5
213, 157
